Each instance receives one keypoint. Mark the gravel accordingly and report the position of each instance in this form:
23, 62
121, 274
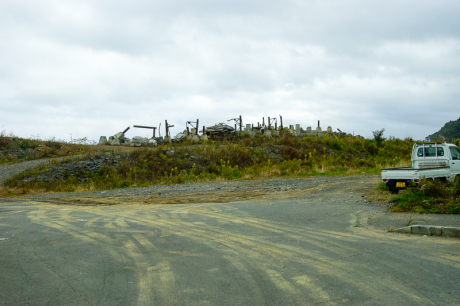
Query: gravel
346, 189
340, 189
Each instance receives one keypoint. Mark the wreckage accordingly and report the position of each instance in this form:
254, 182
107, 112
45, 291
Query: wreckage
219, 129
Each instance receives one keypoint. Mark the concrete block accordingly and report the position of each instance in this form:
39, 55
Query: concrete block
329, 130
119, 136
275, 133
195, 138
451, 232
139, 139
435, 230
152, 143
423, 230
115, 142
405, 230
415, 229
267, 133
430, 230
167, 139
204, 137
102, 141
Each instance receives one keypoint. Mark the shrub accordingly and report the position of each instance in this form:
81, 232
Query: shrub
5, 141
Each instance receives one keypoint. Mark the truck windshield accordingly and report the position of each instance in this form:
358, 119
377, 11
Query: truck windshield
455, 152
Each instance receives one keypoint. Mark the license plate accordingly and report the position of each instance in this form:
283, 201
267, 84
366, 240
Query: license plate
400, 184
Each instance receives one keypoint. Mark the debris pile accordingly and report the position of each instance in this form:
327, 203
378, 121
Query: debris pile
119, 139
220, 128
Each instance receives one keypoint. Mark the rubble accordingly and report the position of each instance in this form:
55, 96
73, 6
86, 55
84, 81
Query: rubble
220, 128
137, 141
79, 169
159, 140
180, 136
152, 142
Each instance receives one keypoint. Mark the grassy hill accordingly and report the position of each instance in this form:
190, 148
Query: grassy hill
14, 149
239, 158
449, 132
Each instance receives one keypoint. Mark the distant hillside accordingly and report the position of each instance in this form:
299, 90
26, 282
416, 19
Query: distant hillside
450, 131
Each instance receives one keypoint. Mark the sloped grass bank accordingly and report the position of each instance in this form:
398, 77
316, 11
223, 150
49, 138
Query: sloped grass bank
242, 158
15, 149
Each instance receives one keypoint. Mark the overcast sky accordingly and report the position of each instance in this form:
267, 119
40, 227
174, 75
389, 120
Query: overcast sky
92, 68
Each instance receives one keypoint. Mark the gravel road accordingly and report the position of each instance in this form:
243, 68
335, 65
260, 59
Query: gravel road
282, 241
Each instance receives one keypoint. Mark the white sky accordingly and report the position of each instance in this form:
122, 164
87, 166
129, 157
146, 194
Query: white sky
92, 68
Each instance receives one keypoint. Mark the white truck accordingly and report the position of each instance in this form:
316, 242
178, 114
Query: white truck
429, 160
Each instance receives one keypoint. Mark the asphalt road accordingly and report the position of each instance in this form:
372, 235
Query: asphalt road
316, 249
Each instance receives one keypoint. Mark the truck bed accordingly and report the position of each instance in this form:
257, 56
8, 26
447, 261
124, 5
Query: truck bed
409, 173
410, 168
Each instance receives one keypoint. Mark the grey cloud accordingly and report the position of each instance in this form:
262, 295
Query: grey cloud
355, 65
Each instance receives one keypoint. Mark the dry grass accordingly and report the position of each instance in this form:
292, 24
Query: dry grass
242, 158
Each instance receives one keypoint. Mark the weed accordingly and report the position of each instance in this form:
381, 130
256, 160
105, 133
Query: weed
430, 196
409, 222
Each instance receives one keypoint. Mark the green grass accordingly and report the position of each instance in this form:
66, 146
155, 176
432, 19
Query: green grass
32, 149
437, 197
237, 159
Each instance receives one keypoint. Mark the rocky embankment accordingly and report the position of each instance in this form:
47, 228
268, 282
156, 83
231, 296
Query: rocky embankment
78, 169
9, 170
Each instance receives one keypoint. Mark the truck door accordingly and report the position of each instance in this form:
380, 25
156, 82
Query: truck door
455, 160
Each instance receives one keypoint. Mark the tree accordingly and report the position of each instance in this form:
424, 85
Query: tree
378, 136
